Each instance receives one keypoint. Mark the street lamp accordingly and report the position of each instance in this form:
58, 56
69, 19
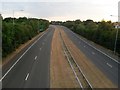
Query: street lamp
116, 37
13, 16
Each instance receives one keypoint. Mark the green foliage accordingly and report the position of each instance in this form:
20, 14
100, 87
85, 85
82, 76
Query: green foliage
22, 31
102, 32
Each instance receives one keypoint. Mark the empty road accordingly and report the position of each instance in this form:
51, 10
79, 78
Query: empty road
31, 68
107, 64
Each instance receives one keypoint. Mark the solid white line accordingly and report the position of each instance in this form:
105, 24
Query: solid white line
109, 65
20, 58
97, 49
27, 77
35, 57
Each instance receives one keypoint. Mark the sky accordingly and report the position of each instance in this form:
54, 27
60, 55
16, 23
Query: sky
61, 10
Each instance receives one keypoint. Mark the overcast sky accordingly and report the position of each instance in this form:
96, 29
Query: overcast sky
61, 10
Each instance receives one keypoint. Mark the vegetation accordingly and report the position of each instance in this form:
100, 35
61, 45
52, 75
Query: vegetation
19, 32
102, 33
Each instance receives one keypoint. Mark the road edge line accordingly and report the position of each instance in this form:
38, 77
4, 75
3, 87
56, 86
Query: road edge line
21, 57
96, 48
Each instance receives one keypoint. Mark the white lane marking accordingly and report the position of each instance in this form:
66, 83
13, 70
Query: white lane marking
93, 53
40, 48
109, 65
96, 49
20, 58
35, 57
27, 77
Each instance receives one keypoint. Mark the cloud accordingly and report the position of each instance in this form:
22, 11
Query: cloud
84, 9
37, 0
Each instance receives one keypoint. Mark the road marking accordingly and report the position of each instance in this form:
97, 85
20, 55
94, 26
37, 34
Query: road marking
93, 53
109, 65
27, 77
35, 57
96, 49
20, 57
40, 48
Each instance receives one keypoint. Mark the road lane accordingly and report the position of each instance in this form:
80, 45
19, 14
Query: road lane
41, 67
99, 59
32, 70
19, 76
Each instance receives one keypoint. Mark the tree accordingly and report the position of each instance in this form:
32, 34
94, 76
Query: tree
22, 31
102, 33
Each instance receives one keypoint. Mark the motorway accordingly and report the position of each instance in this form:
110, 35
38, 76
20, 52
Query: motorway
30, 68
107, 64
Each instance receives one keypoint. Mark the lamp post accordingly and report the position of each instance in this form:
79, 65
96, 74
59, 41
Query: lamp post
116, 37
116, 40
13, 16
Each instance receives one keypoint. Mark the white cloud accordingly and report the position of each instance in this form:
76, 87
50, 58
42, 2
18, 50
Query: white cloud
37, 0
79, 9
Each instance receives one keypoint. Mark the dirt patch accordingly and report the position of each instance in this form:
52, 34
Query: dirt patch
61, 75
93, 74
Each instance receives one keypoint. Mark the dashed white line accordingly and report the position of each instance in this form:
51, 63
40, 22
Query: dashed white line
35, 57
109, 65
20, 58
96, 49
40, 48
27, 77
93, 53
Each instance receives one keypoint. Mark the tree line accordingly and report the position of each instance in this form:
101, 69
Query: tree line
102, 33
18, 31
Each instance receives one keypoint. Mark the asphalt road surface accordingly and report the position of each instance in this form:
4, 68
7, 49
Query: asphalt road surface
31, 67
107, 64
